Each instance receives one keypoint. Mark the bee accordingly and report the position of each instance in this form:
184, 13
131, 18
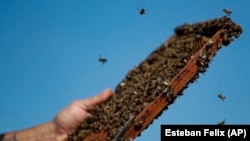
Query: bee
142, 11
122, 84
138, 125
226, 41
221, 96
194, 79
114, 131
222, 122
200, 62
129, 139
102, 60
227, 11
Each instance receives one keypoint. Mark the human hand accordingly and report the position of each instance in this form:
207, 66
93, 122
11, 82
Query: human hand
70, 117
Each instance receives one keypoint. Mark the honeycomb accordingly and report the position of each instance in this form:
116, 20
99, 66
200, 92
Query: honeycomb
151, 77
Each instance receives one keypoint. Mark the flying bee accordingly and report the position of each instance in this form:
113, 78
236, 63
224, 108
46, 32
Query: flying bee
221, 96
227, 12
142, 11
222, 122
102, 60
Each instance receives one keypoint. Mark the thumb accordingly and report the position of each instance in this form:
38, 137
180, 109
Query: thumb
101, 98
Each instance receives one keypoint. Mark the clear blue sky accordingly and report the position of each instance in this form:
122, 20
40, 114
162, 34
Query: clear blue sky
49, 53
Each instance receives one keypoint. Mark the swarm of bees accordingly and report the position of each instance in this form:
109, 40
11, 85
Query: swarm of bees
151, 77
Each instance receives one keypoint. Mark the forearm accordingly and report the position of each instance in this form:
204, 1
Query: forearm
43, 132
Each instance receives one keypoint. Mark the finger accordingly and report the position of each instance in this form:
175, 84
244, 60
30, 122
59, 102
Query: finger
91, 103
102, 97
